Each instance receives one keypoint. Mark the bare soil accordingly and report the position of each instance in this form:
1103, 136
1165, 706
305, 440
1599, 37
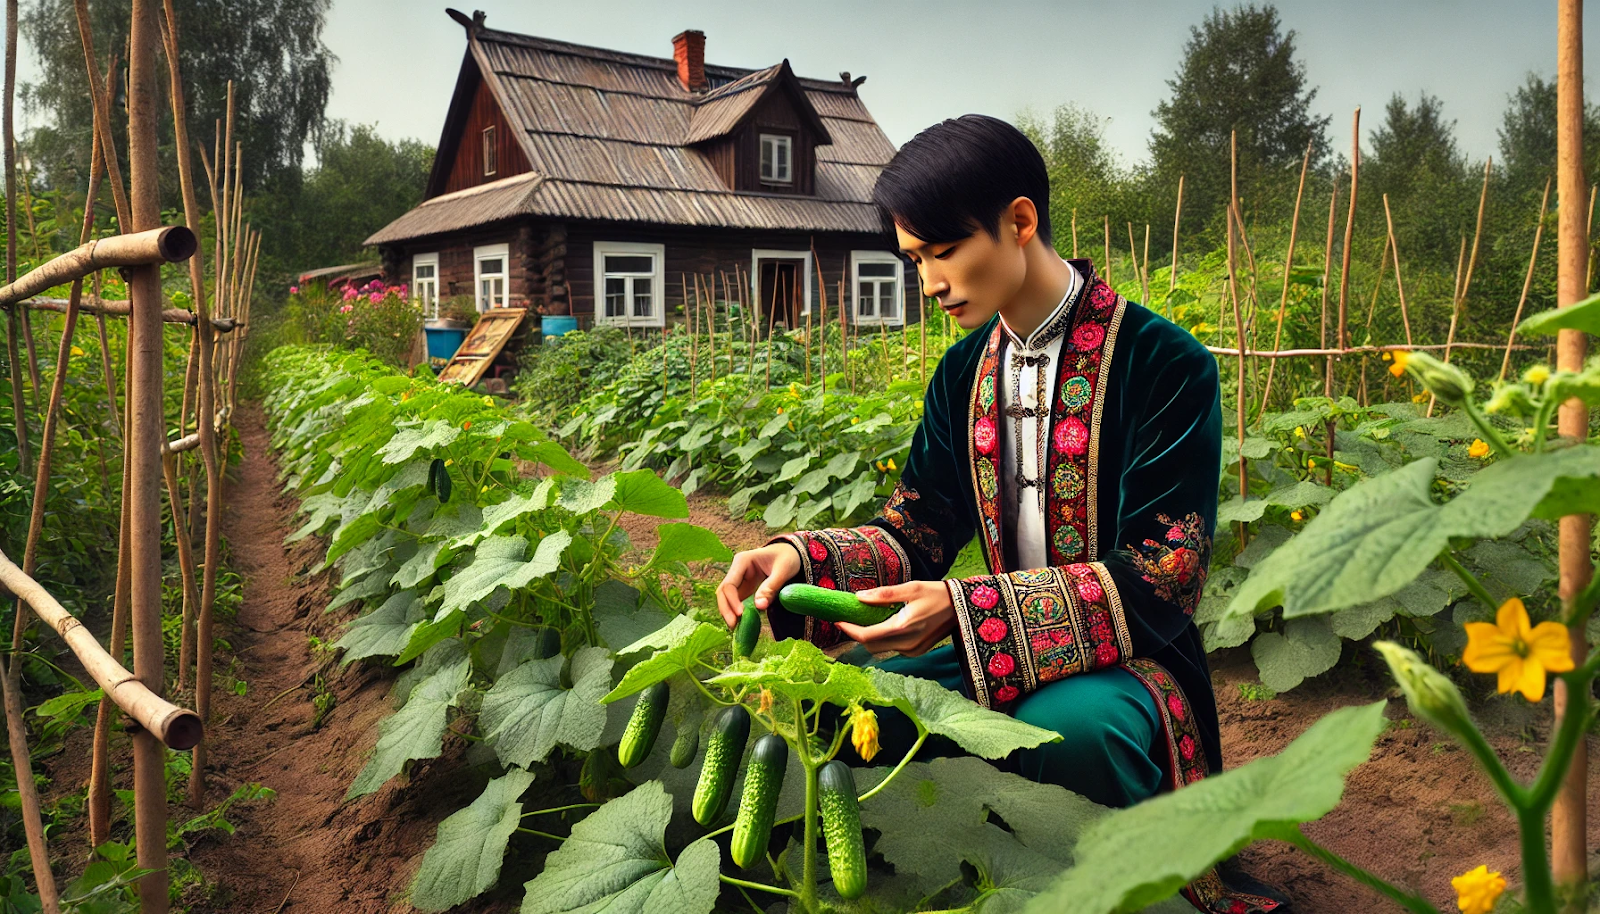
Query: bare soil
1418, 813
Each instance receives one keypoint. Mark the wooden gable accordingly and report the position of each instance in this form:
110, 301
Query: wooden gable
467, 167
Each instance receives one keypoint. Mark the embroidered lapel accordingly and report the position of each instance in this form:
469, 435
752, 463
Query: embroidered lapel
1072, 469
983, 435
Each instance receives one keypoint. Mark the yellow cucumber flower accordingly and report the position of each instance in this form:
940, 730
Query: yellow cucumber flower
76, 351
1296, 515
864, 732
1398, 366
1537, 375
1477, 890
1478, 450
891, 464
1519, 654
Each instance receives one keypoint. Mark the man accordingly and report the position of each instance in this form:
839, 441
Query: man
1079, 437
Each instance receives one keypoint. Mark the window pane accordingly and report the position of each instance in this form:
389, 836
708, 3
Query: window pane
864, 298
489, 267
886, 303
766, 156
878, 269
641, 298
616, 297
630, 263
423, 271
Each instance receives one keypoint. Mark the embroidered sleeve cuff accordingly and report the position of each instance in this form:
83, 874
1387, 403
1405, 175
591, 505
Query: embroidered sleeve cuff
850, 559
1021, 630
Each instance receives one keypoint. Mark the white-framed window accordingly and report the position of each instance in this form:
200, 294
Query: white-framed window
630, 284
878, 279
491, 274
491, 162
760, 294
777, 159
425, 283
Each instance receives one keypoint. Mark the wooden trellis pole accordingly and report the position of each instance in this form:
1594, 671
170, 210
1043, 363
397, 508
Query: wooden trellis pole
1107, 276
1465, 283
1288, 268
1074, 233
1399, 278
1527, 280
1238, 321
1172, 278
1327, 275
1569, 857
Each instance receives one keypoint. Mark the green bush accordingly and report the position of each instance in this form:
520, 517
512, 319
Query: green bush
558, 374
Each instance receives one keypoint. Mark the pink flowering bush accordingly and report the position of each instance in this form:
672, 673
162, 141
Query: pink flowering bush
379, 318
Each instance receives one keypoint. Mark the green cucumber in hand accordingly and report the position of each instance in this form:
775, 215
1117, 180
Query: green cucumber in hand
747, 631
831, 605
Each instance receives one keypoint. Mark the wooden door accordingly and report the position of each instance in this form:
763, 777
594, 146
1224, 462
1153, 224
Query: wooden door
781, 293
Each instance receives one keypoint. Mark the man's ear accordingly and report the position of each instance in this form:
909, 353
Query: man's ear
1023, 220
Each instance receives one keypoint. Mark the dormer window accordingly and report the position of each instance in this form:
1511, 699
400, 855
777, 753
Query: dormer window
777, 157
490, 160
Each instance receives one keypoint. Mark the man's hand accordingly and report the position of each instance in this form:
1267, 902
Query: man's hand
926, 618
761, 571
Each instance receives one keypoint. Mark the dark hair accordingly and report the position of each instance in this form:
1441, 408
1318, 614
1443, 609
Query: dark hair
958, 176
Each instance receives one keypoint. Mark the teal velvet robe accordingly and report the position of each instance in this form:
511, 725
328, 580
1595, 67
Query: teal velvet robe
1135, 450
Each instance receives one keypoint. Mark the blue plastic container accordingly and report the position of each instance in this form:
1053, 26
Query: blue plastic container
554, 325
444, 341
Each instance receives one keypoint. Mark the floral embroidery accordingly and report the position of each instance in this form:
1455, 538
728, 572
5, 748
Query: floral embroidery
984, 435
1020, 631
992, 630
1071, 468
1177, 567
1075, 393
852, 559
1088, 336
902, 511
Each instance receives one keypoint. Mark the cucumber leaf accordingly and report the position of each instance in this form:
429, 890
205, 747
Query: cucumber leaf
465, 858
984, 733
416, 731
527, 712
616, 861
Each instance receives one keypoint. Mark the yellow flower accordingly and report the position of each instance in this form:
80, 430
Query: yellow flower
891, 464
77, 351
854, 419
881, 467
791, 426
1398, 367
1311, 463
1477, 890
1537, 375
1387, 356
780, 410
1299, 431
1297, 515
864, 732
488, 401
1519, 654
1478, 450
1419, 398
764, 703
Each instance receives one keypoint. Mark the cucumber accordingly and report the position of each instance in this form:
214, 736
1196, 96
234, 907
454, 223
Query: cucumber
831, 605
643, 726
763, 780
439, 480
723, 752
686, 745
841, 828
747, 631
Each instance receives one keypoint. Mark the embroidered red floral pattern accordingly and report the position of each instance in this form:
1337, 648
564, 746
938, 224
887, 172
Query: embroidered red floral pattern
1176, 566
984, 455
1021, 630
1070, 463
852, 559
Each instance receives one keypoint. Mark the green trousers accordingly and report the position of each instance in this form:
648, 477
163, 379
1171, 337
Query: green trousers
1110, 749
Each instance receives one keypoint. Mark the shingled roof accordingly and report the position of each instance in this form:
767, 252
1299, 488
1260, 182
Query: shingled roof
611, 136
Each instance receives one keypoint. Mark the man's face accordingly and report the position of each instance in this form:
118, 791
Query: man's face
971, 278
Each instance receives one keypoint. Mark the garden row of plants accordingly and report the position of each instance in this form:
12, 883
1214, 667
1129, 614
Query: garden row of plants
526, 624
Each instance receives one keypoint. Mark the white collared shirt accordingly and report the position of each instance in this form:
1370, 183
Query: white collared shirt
1023, 510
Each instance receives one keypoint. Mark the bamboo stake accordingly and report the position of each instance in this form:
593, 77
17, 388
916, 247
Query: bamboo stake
1527, 280
1460, 302
1372, 308
145, 435
1588, 276
101, 100
694, 336
822, 328
1108, 249
15, 322
1074, 233
1144, 276
1288, 268
1353, 350
1399, 280
922, 326
1343, 339
1327, 275
1568, 818
1172, 280
1133, 252
1238, 322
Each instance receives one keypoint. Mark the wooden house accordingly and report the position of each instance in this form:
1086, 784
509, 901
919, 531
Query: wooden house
580, 181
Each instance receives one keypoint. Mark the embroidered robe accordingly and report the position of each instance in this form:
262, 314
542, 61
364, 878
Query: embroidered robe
1130, 480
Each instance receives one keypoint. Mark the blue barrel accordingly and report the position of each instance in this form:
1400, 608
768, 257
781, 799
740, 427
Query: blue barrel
554, 325
444, 341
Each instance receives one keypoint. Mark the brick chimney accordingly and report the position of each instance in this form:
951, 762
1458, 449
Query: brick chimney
689, 50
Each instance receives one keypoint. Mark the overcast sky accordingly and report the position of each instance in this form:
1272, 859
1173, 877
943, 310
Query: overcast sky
933, 59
